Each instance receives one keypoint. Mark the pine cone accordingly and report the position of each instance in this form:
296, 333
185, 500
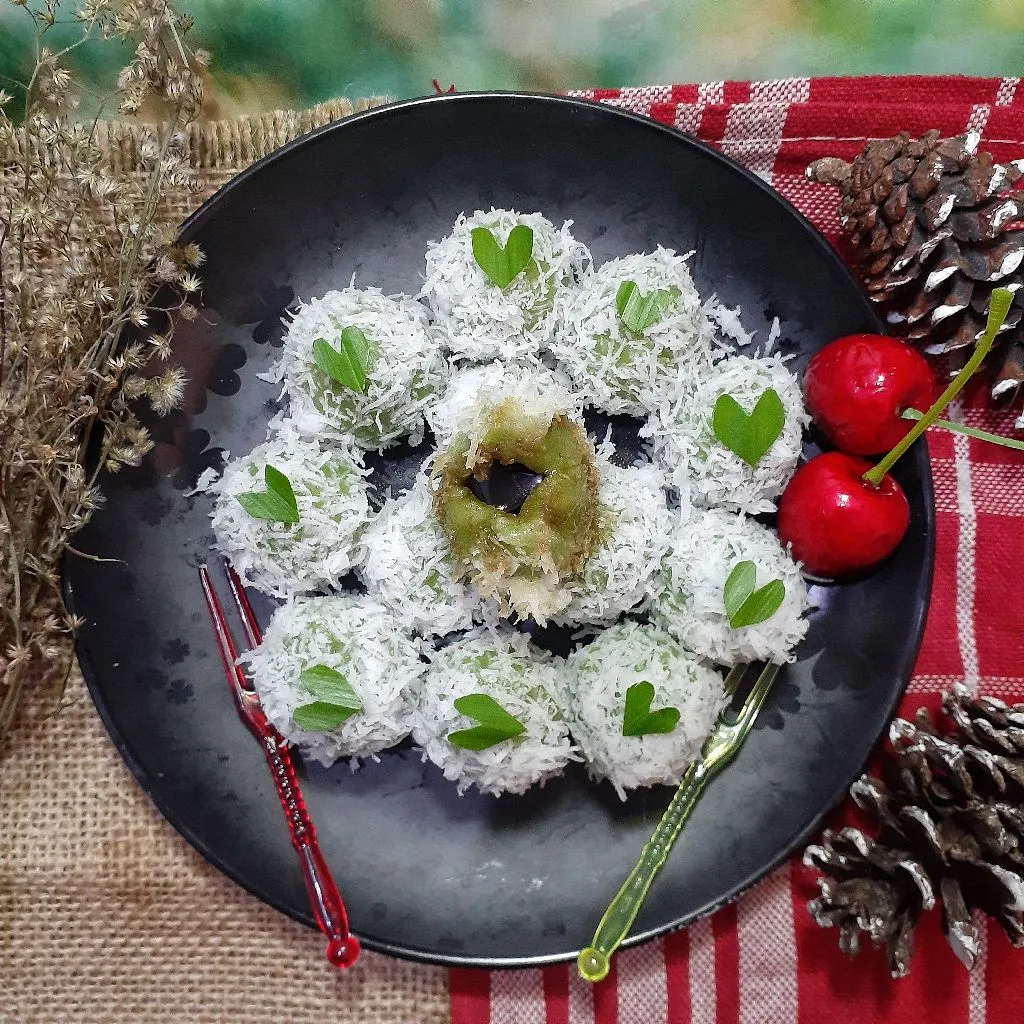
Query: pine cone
950, 828
935, 230
871, 889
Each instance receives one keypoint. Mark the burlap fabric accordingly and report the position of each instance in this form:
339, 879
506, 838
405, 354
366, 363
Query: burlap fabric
107, 916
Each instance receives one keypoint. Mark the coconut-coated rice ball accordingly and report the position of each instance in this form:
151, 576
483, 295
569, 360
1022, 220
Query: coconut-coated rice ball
601, 674
483, 321
636, 529
525, 681
408, 567
688, 594
355, 636
331, 497
700, 466
620, 370
405, 368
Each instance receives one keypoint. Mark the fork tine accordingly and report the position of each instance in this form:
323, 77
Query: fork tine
733, 679
225, 642
758, 692
249, 623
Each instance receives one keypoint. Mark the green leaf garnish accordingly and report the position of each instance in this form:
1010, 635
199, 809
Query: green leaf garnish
336, 700
320, 716
496, 724
638, 311
638, 719
739, 586
749, 435
745, 605
277, 482
346, 365
503, 265
276, 504
330, 686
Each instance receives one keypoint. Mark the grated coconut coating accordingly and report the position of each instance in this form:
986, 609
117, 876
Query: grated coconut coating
331, 495
406, 369
688, 593
353, 635
525, 681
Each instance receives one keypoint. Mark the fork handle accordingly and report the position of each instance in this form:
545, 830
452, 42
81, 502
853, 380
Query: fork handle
324, 898
594, 962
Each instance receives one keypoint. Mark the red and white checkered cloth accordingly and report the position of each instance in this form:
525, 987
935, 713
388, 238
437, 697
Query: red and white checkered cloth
762, 960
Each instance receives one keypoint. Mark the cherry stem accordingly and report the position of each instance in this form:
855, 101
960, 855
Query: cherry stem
961, 428
998, 307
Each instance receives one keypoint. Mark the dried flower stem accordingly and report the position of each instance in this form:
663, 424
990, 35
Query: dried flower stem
82, 257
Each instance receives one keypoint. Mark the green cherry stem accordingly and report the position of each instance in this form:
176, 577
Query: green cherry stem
960, 428
998, 307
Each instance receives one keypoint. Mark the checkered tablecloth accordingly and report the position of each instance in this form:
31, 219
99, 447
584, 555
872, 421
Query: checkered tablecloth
762, 960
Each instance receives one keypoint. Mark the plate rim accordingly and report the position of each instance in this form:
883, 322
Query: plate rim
919, 454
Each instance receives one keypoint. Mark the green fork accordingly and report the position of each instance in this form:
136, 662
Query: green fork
719, 749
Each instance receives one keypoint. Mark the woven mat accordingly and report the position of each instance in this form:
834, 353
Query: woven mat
107, 916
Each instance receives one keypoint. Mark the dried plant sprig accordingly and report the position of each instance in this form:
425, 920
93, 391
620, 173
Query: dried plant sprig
83, 255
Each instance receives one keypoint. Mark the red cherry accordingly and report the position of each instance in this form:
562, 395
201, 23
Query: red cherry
837, 523
857, 386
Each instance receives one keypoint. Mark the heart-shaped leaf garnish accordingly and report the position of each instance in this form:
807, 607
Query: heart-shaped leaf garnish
638, 719
496, 724
638, 311
276, 504
751, 434
335, 703
745, 605
320, 716
502, 265
327, 684
347, 365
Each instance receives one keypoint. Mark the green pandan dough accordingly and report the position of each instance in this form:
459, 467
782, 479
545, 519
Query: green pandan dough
525, 558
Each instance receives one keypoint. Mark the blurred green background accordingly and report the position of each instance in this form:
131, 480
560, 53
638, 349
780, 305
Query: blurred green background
286, 53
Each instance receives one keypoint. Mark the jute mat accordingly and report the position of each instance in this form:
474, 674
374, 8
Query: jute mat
107, 916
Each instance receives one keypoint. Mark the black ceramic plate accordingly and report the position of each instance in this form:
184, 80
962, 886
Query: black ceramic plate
427, 874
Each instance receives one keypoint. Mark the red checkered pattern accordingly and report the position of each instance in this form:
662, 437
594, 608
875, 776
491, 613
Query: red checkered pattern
762, 960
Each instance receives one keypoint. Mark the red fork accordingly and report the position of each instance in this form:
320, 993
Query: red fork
324, 898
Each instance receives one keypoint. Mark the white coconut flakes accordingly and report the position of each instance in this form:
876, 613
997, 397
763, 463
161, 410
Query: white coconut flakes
525, 681
350, 634
482, 321
333, 508
406, 369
